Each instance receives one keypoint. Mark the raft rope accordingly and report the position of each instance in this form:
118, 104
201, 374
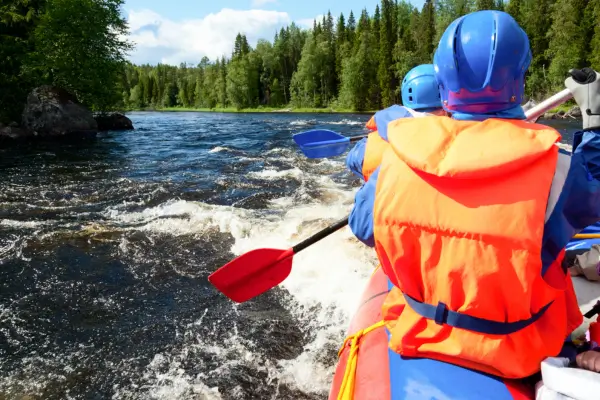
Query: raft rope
376, 269
587, 236
347, 387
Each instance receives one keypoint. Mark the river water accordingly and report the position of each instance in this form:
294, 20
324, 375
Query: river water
106, 246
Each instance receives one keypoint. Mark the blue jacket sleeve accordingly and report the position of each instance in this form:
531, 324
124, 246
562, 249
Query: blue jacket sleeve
356, 157
361, 217
578, 204
582, 208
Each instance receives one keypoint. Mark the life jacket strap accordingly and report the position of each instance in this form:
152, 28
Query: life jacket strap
441, 315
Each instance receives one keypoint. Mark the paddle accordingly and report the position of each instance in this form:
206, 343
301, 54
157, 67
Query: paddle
323, 143
257, 271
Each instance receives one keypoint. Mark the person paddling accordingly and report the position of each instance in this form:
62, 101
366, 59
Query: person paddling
420, 97
470, 215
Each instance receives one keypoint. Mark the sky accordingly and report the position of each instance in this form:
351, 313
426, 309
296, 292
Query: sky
176, 31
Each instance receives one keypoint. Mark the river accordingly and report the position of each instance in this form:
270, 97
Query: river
106, 246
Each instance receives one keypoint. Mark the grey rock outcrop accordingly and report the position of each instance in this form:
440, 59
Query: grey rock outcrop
113, 122
53, 112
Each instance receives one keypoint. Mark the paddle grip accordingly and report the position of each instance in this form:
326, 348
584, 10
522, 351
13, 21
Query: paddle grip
320, 235
357, 138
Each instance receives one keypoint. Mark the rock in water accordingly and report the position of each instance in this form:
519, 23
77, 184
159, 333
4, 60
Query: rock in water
113, 122
529, 105
574, 113
53, 112
12, 131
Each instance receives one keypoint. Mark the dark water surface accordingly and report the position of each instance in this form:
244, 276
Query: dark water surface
106, 245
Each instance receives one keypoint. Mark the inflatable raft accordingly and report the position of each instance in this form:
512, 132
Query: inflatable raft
368, 370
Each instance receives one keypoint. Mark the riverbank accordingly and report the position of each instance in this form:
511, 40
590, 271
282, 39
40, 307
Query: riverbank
258, 110
562, 109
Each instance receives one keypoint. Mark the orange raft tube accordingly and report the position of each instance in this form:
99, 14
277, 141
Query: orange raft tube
368, 370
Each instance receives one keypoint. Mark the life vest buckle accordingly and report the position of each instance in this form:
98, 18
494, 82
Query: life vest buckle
594, 311
441, 313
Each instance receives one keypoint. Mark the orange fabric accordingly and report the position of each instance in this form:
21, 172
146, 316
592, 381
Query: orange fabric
458, 218
374, 150
371, 125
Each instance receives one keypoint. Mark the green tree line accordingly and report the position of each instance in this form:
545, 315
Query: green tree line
358, 63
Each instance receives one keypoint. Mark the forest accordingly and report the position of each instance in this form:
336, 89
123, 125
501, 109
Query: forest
78, 45
344, 63
357, 62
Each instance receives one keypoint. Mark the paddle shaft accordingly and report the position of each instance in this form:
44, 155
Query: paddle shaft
548, 104
320, 235
357, 138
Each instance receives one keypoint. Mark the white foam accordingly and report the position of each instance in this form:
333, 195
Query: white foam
325, 284
218, 149
302, 122
271, 173
346, 122
180, 217
25, 224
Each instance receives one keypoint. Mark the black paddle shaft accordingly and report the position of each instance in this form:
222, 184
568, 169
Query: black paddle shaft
320, 235
357, 138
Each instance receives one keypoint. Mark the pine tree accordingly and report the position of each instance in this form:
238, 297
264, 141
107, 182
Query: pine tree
340, 43
427, 29
485, 5
593, 33
514, 9
567, 39
387, 82
351, 31
535, 21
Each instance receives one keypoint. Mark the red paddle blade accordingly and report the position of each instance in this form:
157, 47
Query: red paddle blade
252, 273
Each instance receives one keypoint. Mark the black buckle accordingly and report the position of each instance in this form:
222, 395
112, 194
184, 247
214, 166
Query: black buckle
441, 313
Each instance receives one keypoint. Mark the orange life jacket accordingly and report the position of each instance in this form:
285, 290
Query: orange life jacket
458, 221
374, 150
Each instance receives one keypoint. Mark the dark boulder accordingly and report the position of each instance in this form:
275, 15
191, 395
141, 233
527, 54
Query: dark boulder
574, 113
53, 112
12, 131
529, 105
113, 122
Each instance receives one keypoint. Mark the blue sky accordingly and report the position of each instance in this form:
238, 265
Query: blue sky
175, 31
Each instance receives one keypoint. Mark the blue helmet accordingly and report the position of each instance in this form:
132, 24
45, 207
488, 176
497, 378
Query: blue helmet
480, 63
420, 89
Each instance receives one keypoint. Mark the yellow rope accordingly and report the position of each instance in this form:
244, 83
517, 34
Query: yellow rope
347, 387
587, 236
375, 270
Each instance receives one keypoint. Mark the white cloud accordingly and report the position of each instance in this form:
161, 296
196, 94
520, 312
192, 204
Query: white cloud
308, 22
158, 39
260, 3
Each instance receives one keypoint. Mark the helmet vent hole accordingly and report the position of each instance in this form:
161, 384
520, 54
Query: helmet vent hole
410, 98
409, 90
454, 45
495, 36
